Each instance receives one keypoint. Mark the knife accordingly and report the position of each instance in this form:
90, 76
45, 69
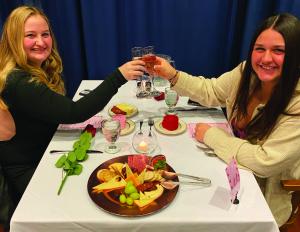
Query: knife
196, 109
65, 151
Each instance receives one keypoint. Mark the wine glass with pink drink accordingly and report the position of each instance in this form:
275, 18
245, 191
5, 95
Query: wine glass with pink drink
149, 58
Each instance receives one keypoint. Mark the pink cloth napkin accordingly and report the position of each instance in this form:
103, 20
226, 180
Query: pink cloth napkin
223, 125
95, 121
121, 118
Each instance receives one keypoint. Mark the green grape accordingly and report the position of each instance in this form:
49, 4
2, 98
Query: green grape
129, 201
130, 189
122, 198
135, 196
129, 182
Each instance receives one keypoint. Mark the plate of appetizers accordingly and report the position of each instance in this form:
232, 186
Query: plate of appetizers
131, 185
123, 108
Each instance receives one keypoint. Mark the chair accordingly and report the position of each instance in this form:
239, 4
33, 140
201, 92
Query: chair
291, 224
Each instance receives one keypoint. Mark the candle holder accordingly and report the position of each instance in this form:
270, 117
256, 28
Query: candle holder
144, 143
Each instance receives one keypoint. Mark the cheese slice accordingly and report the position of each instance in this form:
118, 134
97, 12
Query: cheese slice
126, 108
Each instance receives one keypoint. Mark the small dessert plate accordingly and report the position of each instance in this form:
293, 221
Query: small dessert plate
181, 128
129, 127
134, 112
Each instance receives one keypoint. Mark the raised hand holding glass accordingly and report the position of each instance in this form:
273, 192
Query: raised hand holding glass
149, 58
137, 53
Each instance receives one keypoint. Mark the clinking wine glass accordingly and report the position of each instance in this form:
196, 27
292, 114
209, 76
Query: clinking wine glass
111, 131
159, 81
149, 58
137, 53
171, 99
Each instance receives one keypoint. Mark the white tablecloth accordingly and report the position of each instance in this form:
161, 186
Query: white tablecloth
193, 209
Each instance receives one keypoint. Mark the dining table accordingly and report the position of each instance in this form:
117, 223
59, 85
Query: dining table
194, 208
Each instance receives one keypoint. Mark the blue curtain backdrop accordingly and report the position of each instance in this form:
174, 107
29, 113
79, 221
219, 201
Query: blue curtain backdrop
204, 37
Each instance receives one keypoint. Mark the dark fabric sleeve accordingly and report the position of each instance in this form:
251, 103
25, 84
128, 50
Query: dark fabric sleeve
38, 101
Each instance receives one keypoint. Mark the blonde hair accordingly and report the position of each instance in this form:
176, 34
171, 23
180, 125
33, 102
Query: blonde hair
13, 56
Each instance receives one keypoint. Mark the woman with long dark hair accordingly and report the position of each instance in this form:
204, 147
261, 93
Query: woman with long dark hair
262, 99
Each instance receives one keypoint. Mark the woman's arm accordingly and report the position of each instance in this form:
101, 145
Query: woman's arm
7, 125
280, 151
209, 92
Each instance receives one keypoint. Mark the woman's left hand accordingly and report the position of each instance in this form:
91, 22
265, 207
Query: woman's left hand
133, 69
200, 131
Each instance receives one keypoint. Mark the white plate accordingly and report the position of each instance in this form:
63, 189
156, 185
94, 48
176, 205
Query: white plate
135, 111
181, 128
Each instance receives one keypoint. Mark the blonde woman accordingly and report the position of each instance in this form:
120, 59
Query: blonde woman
33, 90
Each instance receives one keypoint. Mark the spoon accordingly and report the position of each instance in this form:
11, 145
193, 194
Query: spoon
150, 123
173, 184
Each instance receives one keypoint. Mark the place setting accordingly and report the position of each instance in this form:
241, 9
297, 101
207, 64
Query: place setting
123, 112
170, 123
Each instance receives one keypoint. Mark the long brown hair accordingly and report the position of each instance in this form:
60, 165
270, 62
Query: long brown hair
262, 124
13, 56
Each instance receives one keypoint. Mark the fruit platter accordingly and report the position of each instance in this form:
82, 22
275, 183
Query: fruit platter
131, 185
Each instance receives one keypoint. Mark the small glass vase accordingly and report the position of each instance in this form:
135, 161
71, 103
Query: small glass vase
144, 142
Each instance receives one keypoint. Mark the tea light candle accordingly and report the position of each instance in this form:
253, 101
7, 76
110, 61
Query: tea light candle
143, 146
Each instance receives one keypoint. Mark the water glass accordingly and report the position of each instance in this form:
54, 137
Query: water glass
171, 99
111, 131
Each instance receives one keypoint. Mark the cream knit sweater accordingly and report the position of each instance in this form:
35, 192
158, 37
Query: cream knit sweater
274, 159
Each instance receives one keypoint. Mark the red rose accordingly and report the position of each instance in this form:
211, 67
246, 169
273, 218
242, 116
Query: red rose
91, 129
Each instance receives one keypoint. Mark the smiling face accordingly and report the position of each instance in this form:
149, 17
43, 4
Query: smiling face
37, 40
268, 56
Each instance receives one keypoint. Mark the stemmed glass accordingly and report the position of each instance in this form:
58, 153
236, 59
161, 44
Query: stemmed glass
111, 131
171, 99
137, 53
149, 58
